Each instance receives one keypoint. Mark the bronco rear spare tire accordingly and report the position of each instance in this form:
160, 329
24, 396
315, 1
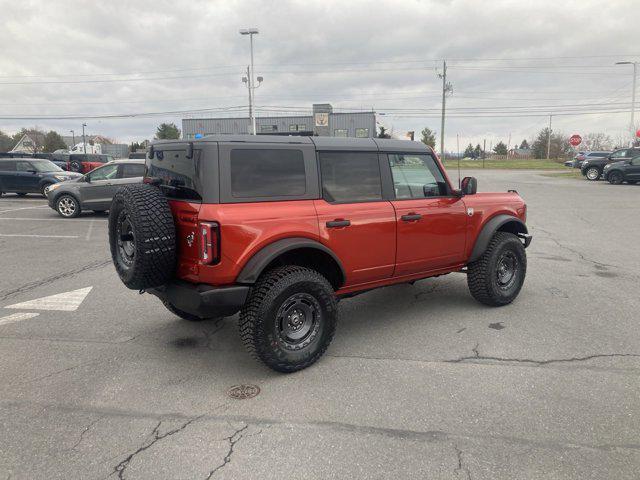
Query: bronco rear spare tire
142, 236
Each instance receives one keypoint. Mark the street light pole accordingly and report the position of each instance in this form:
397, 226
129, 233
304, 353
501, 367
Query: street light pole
251, 32
84, 142
632, 126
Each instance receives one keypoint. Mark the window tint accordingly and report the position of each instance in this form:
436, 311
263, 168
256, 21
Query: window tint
267, 173
130, 170
176, 175
22, 166
104, 173
350, 176
8, 166
416, 176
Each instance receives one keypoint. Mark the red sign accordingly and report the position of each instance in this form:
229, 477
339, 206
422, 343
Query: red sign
575, 140
638, 133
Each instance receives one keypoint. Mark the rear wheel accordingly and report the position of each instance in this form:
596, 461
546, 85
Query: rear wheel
67, 206
289, 318
615, 178
44, 187
496, 278
593, 174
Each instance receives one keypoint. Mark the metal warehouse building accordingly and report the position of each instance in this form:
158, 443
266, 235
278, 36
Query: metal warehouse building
324, 122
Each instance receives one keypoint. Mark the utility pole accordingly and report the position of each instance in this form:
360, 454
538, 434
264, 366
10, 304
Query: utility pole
632, 125
446, 88
549, 137
247, 80
251, 32
84, 142
484, 151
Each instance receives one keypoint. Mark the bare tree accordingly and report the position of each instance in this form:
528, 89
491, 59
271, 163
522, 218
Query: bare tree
597, 141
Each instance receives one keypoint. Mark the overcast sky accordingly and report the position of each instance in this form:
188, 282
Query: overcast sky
506, 60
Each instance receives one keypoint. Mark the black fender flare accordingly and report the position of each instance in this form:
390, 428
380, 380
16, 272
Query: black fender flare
256, 264
490, 228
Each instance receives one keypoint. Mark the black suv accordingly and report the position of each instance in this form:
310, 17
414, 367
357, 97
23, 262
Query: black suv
593, 169
30, 175
625, 171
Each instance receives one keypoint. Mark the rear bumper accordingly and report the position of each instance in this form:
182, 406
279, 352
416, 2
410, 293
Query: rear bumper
203, 301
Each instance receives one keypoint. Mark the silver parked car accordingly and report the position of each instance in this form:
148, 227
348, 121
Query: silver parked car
93, 190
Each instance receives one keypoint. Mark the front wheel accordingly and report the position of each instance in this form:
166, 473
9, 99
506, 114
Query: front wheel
496, 278
289, 318
593, 174
67, 206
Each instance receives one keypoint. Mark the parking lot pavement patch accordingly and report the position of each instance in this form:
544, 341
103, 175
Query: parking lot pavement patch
65, 302
497, 326
242, 392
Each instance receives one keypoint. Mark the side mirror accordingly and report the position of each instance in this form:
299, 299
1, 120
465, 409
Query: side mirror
469, 185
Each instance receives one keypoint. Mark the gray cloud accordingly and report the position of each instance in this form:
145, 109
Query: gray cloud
317, 51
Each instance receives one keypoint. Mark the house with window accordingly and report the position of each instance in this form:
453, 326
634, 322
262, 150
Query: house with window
323, 122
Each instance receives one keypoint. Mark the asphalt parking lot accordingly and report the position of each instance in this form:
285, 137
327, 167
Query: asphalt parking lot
420, 382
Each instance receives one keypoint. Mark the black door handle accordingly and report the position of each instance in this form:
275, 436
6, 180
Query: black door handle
338, 223
412, 217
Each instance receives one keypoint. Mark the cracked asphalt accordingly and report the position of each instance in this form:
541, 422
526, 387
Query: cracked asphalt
420, 382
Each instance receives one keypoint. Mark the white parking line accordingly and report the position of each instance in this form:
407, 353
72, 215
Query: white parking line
16, 317
66, 302
70, 221
23, 208
36, 236
89, 230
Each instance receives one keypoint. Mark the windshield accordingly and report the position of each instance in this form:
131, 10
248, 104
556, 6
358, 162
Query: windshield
175, 174
45, 166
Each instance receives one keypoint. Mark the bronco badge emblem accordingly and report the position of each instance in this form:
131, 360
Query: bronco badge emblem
190, 238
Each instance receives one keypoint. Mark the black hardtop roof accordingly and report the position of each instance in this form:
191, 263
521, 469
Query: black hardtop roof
321, 143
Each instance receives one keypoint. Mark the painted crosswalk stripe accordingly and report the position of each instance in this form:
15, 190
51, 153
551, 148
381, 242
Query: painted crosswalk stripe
36, 236
16, 317
65, 302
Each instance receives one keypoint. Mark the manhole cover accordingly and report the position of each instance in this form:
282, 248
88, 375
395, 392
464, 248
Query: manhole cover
241, 392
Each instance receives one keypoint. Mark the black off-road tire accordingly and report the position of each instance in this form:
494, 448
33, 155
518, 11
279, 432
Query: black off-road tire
142, 236
184, 315
277, 292
615, 178
483, 276
75, 166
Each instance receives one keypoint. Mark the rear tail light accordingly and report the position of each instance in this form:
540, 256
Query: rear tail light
209, 242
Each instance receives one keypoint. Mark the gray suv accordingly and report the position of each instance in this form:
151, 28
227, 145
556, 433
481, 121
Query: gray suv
94, 190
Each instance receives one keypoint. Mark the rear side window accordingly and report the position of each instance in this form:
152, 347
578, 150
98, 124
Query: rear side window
8, 166
350, 177
177, 176
267, 173
131, 170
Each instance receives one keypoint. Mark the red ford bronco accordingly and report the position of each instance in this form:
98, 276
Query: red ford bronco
280, 228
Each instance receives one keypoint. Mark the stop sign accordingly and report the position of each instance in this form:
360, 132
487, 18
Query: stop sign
575, 140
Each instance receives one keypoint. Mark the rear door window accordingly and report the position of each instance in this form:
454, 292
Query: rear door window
350, 177
267, 173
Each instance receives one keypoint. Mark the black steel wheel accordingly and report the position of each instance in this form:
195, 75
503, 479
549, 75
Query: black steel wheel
289, 318
498, 275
